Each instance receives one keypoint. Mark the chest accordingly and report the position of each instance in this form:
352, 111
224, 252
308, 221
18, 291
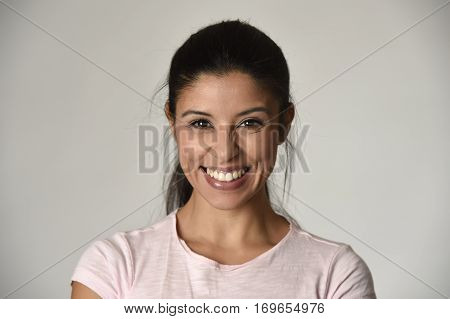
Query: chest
236, 256
196, 281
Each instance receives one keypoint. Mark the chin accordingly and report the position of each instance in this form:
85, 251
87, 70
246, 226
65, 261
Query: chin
225, 202
225, 205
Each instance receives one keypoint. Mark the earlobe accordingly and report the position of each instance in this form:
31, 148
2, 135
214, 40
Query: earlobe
169, 117
290, 113
288, 116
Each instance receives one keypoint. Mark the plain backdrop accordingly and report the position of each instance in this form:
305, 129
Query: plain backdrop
370, 78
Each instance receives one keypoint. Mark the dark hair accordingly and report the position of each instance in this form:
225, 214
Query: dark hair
218, 49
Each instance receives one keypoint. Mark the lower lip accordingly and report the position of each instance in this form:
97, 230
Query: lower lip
231, 185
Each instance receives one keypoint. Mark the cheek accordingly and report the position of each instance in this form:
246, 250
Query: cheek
190, 150
262, 148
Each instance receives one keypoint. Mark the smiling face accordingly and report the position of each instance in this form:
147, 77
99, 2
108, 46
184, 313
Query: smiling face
227, 129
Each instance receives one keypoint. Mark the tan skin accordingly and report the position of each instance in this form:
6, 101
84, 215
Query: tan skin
235, 226
80, 291
230, 227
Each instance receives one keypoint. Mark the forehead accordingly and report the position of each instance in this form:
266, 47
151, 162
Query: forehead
226, 94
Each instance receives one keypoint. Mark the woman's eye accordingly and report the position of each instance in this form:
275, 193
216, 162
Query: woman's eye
253, 123
201, 124
204, 124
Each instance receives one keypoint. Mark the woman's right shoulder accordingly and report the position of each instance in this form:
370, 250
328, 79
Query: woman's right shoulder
158, 232
134, 238
108, 266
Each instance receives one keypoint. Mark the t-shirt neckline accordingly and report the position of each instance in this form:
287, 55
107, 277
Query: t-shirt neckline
222, 267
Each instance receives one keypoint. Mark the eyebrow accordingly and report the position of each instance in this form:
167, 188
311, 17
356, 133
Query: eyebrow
250, 110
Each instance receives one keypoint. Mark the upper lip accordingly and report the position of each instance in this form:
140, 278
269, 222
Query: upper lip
227, 169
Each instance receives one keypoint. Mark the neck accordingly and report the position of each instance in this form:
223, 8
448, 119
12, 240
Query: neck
254, 222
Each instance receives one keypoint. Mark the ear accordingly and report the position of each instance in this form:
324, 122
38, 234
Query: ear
287, 116
170, 118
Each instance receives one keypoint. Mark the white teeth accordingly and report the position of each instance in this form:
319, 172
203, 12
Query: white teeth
225, 176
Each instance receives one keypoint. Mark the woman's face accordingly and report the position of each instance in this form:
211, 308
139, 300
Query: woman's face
227, 127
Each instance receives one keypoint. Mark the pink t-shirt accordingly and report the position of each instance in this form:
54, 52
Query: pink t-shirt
153, 262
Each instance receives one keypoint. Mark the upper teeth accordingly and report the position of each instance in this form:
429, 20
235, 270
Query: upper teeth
225, 176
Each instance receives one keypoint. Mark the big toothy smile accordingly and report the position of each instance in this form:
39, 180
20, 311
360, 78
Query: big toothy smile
226, 175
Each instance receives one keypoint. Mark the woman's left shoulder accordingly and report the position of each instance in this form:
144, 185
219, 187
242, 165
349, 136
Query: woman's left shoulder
347, 274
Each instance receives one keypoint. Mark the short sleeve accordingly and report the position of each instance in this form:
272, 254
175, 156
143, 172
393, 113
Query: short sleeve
106, 267
349, 276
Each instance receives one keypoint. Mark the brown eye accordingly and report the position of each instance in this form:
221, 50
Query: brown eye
200, 124
253, 123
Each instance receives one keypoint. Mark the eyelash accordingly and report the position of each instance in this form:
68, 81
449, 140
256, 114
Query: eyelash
193, 123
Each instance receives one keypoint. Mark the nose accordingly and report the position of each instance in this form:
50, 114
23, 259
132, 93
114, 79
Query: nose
226, 147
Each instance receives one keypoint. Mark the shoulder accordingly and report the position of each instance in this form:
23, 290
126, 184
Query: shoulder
144, 238
347, 274
107, 265
315, 246
138, 243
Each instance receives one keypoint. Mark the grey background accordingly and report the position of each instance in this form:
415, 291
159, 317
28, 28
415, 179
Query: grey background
371, 78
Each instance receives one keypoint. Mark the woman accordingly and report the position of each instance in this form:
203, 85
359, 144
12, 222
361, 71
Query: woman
229, 110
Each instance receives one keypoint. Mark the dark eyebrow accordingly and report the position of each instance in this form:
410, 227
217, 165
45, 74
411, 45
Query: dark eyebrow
251, 110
